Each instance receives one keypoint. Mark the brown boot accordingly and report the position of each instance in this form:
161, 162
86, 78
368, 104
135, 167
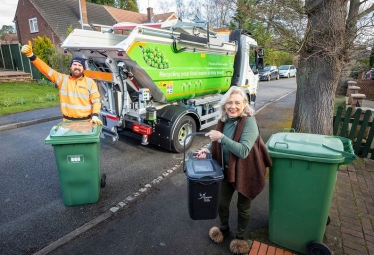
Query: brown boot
216, 234
240, 246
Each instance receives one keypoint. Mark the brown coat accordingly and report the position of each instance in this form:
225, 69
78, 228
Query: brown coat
248, 174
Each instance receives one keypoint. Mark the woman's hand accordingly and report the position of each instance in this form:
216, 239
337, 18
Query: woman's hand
214, 135
202, 153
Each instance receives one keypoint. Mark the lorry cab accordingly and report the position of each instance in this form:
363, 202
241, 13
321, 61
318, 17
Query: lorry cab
248, 54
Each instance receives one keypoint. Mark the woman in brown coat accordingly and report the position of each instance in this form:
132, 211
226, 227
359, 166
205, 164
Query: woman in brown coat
238, 136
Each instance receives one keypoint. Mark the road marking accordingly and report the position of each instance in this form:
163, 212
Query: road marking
275, 100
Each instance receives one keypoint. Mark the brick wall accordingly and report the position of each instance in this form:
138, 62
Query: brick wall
25, 11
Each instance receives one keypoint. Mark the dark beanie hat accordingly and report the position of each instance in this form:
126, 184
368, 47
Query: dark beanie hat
79, 60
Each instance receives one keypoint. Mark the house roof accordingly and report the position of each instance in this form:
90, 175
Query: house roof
61, 14
165, 16
11, 38
128, 16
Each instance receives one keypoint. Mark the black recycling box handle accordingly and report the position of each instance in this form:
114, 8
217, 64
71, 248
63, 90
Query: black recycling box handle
184, 146
184, 149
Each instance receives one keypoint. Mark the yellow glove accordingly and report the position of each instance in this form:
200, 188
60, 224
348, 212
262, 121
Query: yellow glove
27, 50
96, 120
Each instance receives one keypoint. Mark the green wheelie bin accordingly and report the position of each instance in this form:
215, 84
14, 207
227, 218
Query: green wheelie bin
301, 186
76, 147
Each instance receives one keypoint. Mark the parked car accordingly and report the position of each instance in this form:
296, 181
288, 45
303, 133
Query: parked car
287, 71
369, 75
268, 73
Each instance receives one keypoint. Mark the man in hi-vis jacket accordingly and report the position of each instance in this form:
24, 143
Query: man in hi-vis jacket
79, 96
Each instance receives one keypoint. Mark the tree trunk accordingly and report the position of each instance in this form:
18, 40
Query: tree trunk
320, 64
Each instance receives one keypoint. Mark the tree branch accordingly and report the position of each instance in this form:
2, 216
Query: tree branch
366, 11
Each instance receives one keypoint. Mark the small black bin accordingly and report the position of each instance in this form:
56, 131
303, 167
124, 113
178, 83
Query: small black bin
204, 184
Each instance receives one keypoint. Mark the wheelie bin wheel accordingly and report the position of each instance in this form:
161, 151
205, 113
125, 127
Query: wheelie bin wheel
317, 248
328, 220
103, 180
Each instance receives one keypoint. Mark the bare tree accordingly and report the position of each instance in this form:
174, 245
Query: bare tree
322, 33
187, 10
164, 6
181, 9
331, 31
225, 10
217, 12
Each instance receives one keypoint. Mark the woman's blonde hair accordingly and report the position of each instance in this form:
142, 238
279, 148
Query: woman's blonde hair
247, 111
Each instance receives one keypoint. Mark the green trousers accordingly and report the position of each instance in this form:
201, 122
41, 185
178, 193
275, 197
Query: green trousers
243, 205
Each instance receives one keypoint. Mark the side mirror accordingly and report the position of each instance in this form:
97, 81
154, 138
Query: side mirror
260, 52
255, 71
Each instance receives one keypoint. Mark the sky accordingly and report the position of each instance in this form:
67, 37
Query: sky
8, 9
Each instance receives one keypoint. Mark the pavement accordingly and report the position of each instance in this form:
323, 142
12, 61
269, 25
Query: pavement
23, 119
142, 227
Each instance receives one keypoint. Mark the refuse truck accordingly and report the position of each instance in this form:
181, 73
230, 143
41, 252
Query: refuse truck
161, 82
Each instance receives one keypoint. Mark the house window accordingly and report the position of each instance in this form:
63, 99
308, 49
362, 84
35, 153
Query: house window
33, 25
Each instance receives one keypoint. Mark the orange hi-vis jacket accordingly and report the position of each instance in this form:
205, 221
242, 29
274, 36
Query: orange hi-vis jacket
79, 98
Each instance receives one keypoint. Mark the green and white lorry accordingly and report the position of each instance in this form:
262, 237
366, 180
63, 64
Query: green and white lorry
163, 81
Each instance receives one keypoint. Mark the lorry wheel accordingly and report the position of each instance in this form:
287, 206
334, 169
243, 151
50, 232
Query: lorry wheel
184, 127
317, 248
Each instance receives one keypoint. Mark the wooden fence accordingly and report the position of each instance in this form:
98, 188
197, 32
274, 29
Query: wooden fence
367, 88
11, 58
357, 127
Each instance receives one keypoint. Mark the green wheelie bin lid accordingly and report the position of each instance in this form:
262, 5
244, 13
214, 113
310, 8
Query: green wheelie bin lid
310, 147
70, 132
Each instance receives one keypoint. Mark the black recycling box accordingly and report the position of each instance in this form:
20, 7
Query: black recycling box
204, 178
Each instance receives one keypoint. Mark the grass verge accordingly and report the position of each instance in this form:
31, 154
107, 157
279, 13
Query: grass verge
26, 96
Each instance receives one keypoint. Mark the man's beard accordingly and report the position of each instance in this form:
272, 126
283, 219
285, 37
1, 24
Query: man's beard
77, 74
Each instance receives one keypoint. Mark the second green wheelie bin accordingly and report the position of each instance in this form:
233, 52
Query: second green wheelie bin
301, 186
76, 147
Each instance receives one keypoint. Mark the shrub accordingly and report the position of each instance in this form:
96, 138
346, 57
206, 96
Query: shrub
39, 100
43, 47
46, 82
51, 97
354, 74
60, 61
69, 30
358, 68
21, 100
8, 102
